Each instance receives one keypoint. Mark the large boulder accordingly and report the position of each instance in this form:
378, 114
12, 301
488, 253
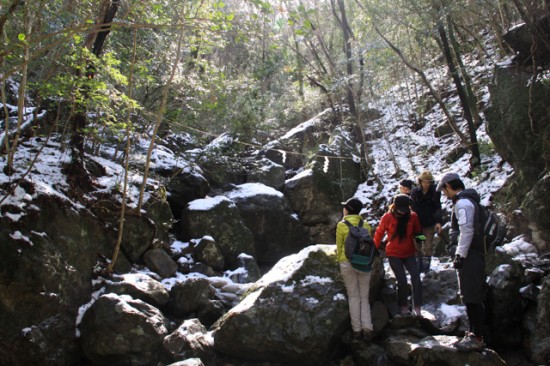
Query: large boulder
160, 262
159, 211
189, 340
265, 171
219, 218
530, 40
47, 257
119, 330
265, 211
190, 296
536, 207
139, 286
185, 186
539, 345
330, 177
438, 351
519, 107
301, 140
206, 251
504, 305
222, 161
294, 315
140, 230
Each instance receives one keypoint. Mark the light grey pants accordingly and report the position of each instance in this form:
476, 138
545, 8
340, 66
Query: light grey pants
358, 287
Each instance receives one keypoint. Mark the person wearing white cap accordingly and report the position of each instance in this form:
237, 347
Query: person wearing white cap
469, 259
357, 282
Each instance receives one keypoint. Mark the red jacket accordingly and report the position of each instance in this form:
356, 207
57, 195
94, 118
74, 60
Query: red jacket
396, 247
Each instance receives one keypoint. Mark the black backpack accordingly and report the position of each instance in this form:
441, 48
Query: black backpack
490, 227
358, 241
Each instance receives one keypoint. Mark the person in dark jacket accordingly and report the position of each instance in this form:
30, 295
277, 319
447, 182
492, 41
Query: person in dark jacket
469, 259
405, 186
401, 226
426, 202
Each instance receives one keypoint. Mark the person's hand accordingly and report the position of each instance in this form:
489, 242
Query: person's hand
457, 262
438, 228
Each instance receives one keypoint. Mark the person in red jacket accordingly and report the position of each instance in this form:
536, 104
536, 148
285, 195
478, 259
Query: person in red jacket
401, 226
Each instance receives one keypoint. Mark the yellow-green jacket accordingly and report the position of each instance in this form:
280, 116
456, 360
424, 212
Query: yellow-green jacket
342, 231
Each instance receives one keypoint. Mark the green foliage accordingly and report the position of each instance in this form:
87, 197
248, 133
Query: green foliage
486, 147
247, 67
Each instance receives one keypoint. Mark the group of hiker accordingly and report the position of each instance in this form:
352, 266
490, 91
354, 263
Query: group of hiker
406, 234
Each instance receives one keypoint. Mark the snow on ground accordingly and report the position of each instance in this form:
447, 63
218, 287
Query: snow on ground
398, 149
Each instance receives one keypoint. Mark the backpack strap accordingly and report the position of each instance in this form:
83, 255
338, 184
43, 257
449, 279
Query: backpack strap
360, 224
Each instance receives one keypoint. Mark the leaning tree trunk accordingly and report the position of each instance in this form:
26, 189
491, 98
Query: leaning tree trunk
95, 41
346, 31
474, 147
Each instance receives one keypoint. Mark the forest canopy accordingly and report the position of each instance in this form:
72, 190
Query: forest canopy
247, 67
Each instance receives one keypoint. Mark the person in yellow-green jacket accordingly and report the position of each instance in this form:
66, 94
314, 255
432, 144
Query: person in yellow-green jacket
357, 283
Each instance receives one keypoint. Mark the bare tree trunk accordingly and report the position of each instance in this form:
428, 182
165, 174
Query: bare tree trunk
160, 115
77, 169
473, 146
472, 99
346, 31
6, 15
450, 120
10, 150
126, 161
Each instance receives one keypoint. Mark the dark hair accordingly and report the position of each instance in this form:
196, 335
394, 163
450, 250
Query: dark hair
456, 184
402, 221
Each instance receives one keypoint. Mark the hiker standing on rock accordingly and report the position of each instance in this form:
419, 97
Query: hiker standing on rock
426, 202
469, 260
401, 226
357, 282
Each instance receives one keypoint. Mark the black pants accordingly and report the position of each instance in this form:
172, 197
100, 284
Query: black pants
398, 266
476, 317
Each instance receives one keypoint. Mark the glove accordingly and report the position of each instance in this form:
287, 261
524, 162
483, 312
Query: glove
420, 237
457, 262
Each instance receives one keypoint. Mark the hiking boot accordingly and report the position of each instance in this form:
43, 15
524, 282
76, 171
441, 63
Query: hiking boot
356, 335
368, 335
470, 343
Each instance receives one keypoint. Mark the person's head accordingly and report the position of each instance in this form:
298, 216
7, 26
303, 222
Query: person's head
405, 186
401, 209
450, 184
401, 205
425, 180
352, 206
